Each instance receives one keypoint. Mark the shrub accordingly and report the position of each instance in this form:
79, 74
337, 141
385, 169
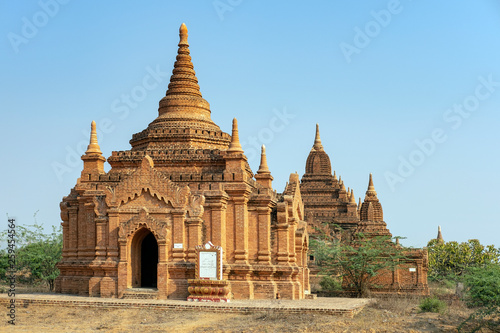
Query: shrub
432, 304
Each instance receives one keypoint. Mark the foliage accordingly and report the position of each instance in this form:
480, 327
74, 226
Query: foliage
432, 304
451, 260
357, 260
4, 265
483, 286
37, 254
325, 255
329, 283
483, 291
363, 258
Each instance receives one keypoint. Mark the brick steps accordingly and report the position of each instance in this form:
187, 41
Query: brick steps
140, 293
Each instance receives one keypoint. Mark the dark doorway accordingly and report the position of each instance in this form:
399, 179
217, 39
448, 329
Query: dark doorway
149, 261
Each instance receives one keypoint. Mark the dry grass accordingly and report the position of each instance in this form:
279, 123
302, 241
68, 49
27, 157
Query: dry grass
386, 315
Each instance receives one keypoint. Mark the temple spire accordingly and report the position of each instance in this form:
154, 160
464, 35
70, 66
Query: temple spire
371, 209
93, 147
184, 117
440, 236
235, 146
183, 80
317, 140
263, 168
183, 99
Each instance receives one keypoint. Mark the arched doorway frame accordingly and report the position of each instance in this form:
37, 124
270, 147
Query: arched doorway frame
136, 258
130, 233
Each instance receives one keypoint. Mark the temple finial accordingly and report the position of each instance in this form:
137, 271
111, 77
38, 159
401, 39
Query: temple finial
183, 34
235, 146
93, 147
263, 168
317, 140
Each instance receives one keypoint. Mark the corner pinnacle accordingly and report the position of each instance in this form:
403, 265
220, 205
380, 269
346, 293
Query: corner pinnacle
353, 199
93, 147
235, 146
263, 168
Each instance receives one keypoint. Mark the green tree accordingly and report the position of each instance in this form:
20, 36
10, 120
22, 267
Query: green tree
483, 291
358, 260
451, 260
41, 255
37, 254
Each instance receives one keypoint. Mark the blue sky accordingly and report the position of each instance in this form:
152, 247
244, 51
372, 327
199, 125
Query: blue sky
407, 90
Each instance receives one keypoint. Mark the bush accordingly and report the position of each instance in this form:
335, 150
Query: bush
432, 304
483, 286
483, 292
329, 283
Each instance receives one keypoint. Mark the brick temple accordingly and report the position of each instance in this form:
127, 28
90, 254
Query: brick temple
331, 209
184, 182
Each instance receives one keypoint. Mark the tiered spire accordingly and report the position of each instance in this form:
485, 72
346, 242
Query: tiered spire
235, 146
183, 80
93, 147
183, 114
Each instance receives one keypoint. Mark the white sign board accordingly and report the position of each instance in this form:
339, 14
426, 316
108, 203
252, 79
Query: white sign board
177, 245
208, 265
413, 269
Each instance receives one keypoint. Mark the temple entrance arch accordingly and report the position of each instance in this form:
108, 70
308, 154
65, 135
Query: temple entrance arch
144, 255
